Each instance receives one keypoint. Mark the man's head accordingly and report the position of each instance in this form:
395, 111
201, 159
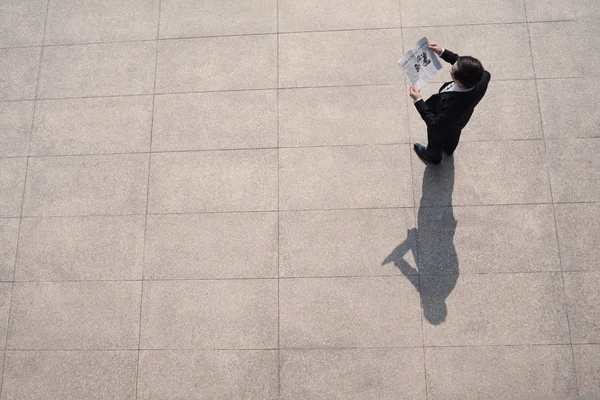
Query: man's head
467, 70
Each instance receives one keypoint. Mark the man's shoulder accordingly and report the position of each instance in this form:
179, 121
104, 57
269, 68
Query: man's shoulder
485, 79
481, 86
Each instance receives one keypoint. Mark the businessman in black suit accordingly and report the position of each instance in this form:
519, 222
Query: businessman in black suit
446, 113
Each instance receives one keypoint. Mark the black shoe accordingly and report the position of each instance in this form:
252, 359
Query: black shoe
422, 154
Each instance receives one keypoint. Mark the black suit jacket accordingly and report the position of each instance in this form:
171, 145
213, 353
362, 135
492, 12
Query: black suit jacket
450, 111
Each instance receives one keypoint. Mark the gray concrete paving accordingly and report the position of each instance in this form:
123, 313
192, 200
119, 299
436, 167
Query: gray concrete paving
219, 200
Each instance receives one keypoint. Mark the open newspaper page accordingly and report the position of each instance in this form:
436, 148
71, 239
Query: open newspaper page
420, 64
412, 69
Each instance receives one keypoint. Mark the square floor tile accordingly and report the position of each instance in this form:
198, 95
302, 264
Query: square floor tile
19, 73
60, 375
449, 12
583, 300
217, 63
564, 107
220, 314
81, 248
75, 315
494, 309
319, 15
340, 58
559, 42
504, 372
22, 22
344, 242
578, 235
12, 181
84, 185
345, 177
99, 125
211, 246
485, 173
352, 374
349, 312
488, 43
487, 239
101, 21
342, 116
9, 236
219, 120
98, 70
244, 180
15, 127
508, 111
190, 18
225, 374
574, 169
588, 370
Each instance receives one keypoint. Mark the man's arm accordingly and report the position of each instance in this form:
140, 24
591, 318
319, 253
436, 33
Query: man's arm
443, 120
452, 111
449, 56
446, 55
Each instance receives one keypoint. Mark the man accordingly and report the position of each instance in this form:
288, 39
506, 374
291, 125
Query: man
447, 112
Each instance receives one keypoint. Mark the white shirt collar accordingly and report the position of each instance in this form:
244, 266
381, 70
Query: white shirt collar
453, 87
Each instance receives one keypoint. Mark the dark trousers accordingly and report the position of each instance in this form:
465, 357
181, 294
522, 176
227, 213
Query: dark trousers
438, 142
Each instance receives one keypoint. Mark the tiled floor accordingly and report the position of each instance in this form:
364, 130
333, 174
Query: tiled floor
219, 200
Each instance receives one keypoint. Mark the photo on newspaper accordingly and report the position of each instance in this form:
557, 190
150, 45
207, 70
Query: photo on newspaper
420, 64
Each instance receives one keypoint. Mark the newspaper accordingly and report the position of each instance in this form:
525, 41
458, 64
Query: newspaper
420, 64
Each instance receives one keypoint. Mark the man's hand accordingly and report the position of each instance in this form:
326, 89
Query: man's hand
435, 47
414, 93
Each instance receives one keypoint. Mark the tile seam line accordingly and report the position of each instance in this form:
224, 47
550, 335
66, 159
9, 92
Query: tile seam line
73, 216
416, 347
241, 149
148, 280
278, 211
37, 89
549, 177
249, 149
192, 212
292, 348
288, 32
415, 213
315, 210
250, 89
137, 380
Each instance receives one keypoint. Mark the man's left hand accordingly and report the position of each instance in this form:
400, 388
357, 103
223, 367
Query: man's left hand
414, 93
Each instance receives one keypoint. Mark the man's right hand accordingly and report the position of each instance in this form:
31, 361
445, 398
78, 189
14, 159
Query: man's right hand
436, 48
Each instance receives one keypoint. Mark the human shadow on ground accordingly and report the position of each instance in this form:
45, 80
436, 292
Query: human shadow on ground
432, 243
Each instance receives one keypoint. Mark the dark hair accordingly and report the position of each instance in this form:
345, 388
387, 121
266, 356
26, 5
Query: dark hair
468, 71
